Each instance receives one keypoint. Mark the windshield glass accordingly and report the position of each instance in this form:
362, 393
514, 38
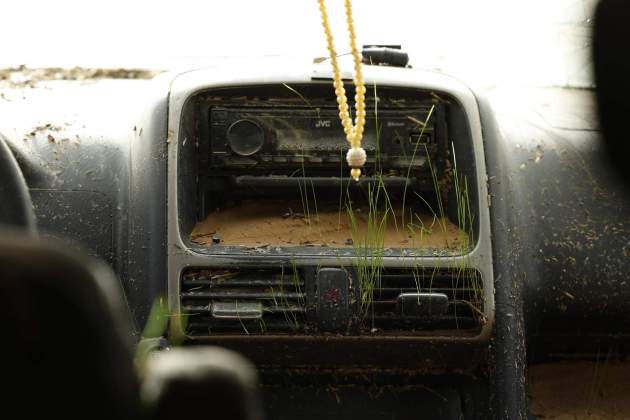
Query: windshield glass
487, 42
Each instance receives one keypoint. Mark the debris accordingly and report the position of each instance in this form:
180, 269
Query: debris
262, 248
224, 276
44, 127
293, 215
253, 222
216, 238
24, 77
349, 241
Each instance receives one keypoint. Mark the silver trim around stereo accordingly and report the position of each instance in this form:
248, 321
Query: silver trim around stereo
185, 85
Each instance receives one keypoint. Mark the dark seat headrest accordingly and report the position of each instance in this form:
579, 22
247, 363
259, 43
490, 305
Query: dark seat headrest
199, 382
65, 324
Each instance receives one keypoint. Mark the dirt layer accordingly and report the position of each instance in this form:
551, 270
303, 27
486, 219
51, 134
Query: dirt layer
21, 77
278, 223
580, 390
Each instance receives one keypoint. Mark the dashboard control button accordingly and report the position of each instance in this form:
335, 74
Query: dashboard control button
245, 137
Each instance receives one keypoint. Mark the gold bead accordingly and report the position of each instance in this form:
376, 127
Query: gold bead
355, 173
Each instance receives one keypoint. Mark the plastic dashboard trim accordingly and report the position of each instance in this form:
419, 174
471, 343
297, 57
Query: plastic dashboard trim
186, 85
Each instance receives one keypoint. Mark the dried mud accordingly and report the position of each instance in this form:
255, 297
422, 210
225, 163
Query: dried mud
278, 223
25, 77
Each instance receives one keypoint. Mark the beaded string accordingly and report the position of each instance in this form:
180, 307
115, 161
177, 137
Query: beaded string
354, 132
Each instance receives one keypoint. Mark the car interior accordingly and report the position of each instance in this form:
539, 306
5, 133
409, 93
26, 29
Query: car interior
349, 236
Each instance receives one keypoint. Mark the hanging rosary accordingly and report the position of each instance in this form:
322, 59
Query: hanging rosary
354, 132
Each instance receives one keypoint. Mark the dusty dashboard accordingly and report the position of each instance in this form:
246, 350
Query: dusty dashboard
270, 238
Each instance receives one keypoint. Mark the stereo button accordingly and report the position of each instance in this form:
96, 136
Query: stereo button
245, 137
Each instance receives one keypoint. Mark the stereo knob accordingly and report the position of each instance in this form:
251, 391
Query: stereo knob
245, 137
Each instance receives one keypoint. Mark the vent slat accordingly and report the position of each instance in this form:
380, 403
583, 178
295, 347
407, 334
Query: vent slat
243, 295
271, 309
195, 308
240, 282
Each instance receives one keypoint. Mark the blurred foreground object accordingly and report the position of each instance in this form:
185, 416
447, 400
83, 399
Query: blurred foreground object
611, 57
67, 334
199, 382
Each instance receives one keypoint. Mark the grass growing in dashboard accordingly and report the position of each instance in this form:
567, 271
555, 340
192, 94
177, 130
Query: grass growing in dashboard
377, 211
368, 246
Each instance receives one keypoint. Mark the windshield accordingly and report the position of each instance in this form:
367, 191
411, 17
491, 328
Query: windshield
487, 42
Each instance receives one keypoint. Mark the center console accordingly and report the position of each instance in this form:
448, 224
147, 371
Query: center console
272, 246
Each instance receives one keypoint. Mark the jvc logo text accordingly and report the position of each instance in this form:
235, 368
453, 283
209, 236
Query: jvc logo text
323, 124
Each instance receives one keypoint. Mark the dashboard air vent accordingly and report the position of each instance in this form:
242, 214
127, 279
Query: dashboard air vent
243, 301
415, 300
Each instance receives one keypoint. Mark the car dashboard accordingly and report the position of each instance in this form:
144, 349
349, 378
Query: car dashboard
209, 175
486, 226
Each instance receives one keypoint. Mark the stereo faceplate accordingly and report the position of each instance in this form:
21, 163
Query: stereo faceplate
288, 138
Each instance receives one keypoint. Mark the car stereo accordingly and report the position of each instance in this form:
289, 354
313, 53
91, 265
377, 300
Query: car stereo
263, 142
283, 140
